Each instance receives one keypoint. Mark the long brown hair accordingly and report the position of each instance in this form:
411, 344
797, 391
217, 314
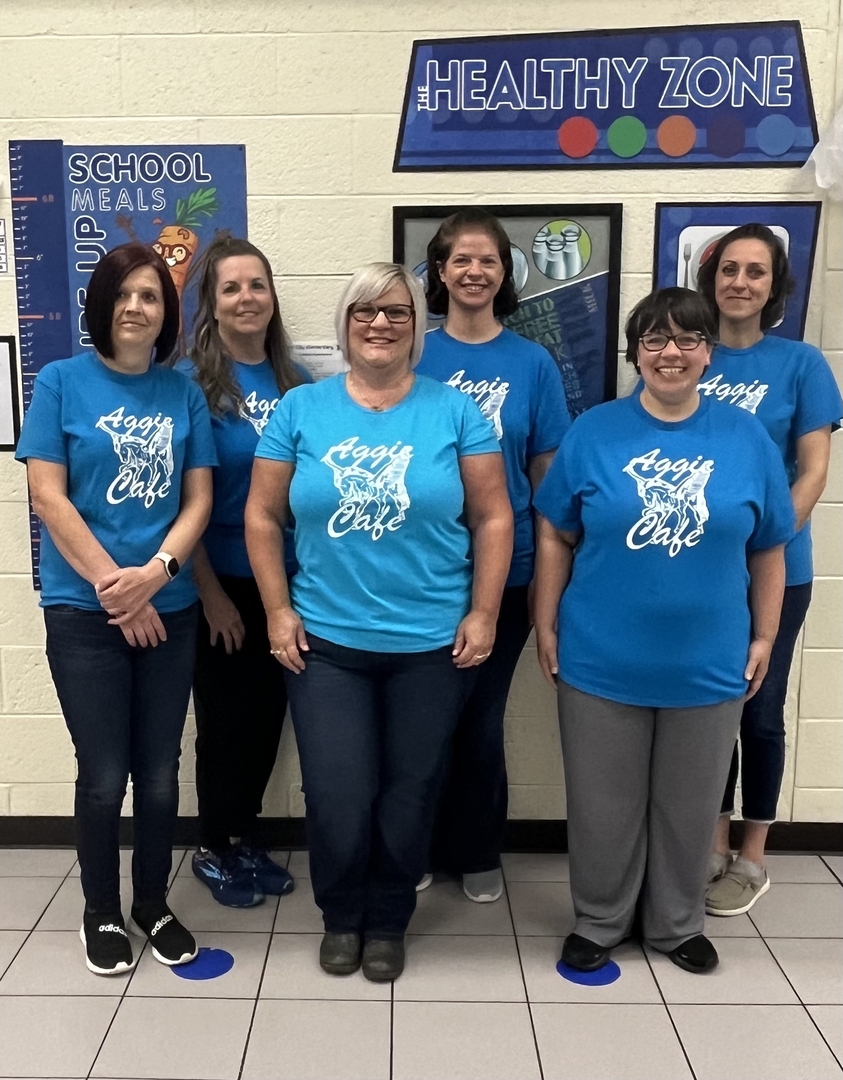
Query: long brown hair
214, 367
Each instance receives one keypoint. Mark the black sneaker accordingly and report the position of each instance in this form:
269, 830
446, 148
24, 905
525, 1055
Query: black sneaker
171, 943
108, 950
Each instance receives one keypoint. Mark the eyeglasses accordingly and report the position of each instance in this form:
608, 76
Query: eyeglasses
395, 313
686, 340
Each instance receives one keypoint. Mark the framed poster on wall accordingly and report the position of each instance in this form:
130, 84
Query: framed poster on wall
686, 234
566, 261
9, 406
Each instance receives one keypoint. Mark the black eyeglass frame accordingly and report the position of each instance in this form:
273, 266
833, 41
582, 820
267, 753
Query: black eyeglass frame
355, 310
674, 338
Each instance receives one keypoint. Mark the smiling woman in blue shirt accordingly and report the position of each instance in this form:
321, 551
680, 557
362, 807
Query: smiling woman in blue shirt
241, 360
659, 580
403, 534
789, 386
119, 452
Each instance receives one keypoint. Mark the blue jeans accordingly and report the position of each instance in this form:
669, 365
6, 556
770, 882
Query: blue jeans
762, 722
472, 810
124, 707
372, 731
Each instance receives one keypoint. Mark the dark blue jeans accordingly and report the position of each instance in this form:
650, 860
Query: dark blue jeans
124, 707
372, 732
240, 701
471, 818
762, 722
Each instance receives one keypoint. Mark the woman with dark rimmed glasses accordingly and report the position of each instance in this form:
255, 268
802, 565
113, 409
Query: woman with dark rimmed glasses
403, 535
661, 513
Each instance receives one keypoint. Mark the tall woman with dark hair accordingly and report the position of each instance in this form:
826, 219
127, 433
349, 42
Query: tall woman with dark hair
119, 453
790, 388
241, 361
518, 388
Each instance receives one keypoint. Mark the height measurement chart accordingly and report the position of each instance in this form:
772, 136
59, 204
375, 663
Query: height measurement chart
72, 204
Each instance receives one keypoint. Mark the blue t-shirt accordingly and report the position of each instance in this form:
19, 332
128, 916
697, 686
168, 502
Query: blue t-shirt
236, 435
126, 441
381, 538
656, 611
519, 390
790, 388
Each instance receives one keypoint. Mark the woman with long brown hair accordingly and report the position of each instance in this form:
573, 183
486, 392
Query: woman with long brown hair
241, 360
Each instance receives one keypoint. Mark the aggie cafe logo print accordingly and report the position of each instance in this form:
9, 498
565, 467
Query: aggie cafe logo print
144, 448
370, 480
673, 494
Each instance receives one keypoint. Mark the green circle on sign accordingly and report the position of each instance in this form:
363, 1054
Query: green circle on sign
626, 136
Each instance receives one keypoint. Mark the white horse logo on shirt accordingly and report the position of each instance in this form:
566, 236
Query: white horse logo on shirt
673, 493
371, 483
144, 447
490, 396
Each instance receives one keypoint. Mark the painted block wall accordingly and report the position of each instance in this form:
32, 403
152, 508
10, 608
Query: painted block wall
314, 89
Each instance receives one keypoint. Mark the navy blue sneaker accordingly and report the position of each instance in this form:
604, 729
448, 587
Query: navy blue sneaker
231, 883
270, 878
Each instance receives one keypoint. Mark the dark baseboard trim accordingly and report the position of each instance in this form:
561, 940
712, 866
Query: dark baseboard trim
522, 836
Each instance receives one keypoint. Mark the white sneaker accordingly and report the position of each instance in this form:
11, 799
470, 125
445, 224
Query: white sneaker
483, 888
425, 881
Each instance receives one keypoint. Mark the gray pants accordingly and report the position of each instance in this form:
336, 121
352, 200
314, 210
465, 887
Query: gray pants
644, 788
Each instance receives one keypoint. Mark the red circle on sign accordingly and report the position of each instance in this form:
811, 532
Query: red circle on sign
577, 137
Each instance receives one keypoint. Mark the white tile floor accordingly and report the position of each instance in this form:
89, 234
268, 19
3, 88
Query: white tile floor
480, 999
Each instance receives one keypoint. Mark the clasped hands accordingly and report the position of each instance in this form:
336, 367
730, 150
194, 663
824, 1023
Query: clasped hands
125, 593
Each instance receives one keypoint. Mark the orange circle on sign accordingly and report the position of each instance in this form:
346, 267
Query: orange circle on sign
577, 137
676, 135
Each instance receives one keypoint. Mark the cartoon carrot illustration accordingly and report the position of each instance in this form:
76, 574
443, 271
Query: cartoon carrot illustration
178, 243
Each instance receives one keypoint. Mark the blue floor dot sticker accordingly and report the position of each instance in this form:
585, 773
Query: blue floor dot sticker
209, 964
609, 973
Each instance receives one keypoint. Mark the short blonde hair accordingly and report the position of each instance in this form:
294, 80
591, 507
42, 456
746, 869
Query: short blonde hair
372, 281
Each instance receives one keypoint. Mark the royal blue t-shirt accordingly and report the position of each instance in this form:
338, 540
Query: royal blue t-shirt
519, 390
236, 436
656, 611
789, 386
384, 551
126, 441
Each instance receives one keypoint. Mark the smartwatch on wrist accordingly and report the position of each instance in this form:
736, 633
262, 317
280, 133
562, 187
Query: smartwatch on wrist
171, 563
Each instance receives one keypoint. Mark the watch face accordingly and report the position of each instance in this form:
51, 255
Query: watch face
172, 565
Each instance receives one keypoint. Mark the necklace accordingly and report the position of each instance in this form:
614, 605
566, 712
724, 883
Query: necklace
391, 398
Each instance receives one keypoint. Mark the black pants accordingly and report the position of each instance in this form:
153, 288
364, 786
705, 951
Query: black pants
762, 721
372, 731
472, 809
240, 702
124, 707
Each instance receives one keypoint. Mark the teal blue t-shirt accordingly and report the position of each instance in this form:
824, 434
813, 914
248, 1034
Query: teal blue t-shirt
235, 436
384, 551
519, 390
126, 441
789, 386
656, 610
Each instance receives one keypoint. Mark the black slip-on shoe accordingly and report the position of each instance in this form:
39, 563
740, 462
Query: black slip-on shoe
696, 955
583, 955
108, 950
339, 954
171, 943
383, 960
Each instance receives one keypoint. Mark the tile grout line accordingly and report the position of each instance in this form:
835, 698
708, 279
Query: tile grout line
523, 978
669, 1013
260, 980
831, 869
798, 995
122, 997
391, 1029
31, 930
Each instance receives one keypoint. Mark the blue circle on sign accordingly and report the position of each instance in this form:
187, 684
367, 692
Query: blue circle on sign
209, 964
609, 973
775, 135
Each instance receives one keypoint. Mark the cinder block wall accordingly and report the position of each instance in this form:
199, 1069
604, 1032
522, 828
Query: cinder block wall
314, 89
